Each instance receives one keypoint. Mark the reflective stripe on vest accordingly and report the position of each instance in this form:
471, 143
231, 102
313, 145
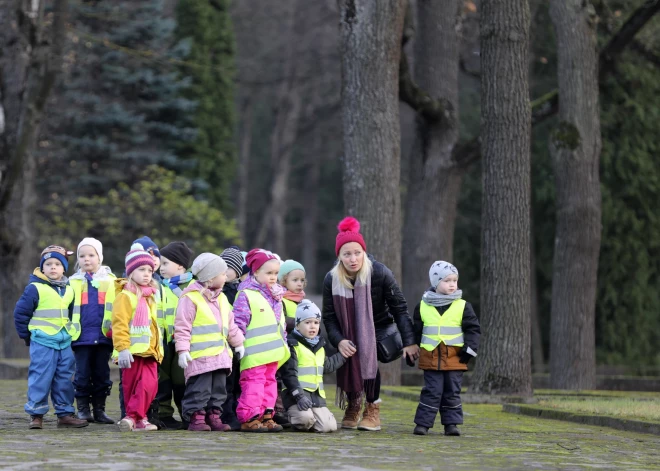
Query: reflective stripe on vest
291, 307
264, 338
106, 291
52, 313
310, 368
208, 338
442, 328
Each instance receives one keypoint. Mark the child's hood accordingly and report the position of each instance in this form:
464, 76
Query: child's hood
103, 273
119, 284
197, 286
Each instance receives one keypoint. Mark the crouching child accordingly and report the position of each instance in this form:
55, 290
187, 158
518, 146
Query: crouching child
302, 374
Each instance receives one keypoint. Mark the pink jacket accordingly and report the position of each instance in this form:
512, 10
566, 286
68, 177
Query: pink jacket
185, 316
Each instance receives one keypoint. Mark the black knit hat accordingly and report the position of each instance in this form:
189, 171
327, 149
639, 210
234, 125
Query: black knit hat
179, 253
234, 259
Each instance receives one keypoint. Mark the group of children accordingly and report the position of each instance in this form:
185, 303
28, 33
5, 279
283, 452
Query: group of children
229, 338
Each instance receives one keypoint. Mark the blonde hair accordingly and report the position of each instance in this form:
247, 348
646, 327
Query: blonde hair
136, 287
364, 273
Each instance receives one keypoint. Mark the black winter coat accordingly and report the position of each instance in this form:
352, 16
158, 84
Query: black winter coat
387, 301
289, 371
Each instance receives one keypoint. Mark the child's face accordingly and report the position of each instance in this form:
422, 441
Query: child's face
295, 281
142, 275
267, 274
447, 285
155, 259
169, 269
88, 259
53, 269
309, 328
231, 275
217, 282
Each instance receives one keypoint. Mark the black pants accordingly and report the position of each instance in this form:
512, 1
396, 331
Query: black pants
205, 392
233, 392
441, 392
171, 383
92, 378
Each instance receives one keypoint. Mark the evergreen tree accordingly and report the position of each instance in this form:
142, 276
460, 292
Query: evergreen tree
205, 25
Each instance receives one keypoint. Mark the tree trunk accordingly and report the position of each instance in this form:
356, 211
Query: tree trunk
504, 364
575, 147
29, 65
244, 170
434, 178
538, 360
370, 45
311, 212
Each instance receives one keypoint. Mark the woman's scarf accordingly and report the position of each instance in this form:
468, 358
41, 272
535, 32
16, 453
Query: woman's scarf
295, 297
141, 322
356, 320
432, 298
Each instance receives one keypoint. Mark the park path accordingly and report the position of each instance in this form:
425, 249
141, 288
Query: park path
491, 440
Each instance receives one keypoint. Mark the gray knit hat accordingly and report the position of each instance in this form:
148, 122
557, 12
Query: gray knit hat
307, 309
207, 266
439, 270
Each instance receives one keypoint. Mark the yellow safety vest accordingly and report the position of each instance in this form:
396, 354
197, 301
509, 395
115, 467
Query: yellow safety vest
310, 368
264, 338
140, 342
445, 328
52, 313
105, 286
290, 308
170, 303
208, 338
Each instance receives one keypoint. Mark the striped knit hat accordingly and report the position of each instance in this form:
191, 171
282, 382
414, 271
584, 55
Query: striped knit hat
136, 258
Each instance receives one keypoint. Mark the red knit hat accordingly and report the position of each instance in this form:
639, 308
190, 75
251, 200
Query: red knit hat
257, 257
349, 231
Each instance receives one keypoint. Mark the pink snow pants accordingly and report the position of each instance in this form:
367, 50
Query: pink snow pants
258, 391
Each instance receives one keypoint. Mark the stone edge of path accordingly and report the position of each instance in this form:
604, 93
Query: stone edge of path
466, 398
628, 425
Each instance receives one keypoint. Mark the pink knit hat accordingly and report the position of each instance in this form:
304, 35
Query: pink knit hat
138, 257
257, 257
349, 231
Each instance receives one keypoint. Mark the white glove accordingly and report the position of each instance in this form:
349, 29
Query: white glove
125, 359
240, 351
184, 359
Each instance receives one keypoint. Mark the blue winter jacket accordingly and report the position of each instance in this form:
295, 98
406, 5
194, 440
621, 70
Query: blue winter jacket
91, 320
26, 306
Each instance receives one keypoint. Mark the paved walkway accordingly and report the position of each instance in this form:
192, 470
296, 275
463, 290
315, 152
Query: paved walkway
491, 440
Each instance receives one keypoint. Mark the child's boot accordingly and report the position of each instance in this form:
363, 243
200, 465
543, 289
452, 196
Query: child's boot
452, 430
83, 409
126, 424
198, 422
254, 425
421, 430
213, 420
352, 414
71, 421
371, 417
269, 423
144, 426
99, 411
36, 422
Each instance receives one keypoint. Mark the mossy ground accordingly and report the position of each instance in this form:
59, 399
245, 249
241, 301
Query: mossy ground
491, 439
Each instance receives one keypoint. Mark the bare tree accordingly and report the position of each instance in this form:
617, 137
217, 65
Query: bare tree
575, 147
434, 175
504, 363
370, 45
30, 61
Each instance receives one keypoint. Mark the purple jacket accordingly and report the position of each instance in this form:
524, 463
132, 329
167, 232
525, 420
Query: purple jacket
185, 316
242, 312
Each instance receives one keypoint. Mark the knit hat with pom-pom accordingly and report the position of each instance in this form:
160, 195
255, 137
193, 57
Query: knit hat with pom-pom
349, 231
138, 257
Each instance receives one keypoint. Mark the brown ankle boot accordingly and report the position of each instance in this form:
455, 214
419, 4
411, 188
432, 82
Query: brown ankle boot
352, 414
253, 425
71, 421
269, 423
36, 421
371, 417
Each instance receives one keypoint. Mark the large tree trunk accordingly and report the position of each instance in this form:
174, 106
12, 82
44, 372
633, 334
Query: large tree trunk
434, 178
504, 364
370, 45
575, 147
29, 64
245, 150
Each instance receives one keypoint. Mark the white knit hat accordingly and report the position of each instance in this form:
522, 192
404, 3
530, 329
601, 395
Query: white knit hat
207, 266
92, 242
